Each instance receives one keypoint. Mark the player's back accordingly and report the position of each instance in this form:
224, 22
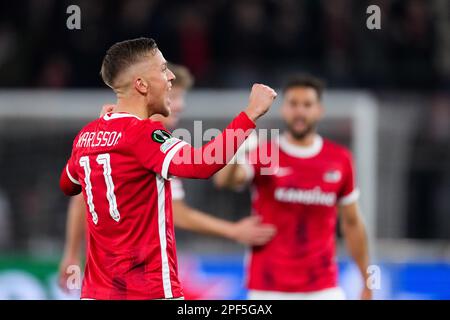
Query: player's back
131, 243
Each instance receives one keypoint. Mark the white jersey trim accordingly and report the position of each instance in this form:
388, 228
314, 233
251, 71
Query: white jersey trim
71, 177
335, 293
301, 152
165, 269
169, 157
350, 198
111, 116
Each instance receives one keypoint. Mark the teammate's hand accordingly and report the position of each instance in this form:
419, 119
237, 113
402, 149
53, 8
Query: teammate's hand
260, 100
366, 294
250, 231
64, 271
107, 108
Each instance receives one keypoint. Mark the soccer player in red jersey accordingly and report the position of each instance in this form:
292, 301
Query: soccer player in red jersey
248, 231
301, 196
123, 162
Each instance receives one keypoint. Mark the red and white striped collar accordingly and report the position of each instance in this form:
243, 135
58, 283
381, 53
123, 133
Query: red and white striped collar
301, 152
118, 115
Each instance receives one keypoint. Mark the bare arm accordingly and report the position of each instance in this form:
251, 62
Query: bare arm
354, 232
247, 231
75, 229
232, 176
236, 174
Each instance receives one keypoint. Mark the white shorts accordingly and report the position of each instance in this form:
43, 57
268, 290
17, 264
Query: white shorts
179, 298
326, 294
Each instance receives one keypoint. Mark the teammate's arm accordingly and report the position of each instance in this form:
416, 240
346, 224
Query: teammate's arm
235, 175
247, 231
353, 229
232, 176
75, 228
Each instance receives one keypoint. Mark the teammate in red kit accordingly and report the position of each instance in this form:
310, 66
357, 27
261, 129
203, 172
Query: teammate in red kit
123, 162
248, 231
301, 195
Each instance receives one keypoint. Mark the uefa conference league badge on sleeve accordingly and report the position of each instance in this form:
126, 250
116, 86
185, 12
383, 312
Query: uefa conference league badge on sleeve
165, 138
161, 136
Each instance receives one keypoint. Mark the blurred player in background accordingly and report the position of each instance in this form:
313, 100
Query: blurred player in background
247, 231
301, 197
123, 161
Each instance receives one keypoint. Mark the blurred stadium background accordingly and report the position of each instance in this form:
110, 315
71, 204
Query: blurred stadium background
389, 100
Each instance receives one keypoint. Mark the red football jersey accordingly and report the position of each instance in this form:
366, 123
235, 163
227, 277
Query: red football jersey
123, 165
300, 198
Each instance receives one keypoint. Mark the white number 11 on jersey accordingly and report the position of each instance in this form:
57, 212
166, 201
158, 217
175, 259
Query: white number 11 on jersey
105, 161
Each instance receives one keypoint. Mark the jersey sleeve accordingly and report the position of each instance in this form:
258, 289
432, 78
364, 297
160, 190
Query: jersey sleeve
155, 147
202, 163
71, 171
168, 156
349, 192
69, 181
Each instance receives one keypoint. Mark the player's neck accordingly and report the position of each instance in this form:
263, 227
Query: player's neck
305, 141
132, 106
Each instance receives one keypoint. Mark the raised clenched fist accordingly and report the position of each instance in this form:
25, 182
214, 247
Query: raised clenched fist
261, 98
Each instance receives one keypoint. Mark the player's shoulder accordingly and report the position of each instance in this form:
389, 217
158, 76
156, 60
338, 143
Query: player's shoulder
112, 122
149, 126
336, 149
153, 130
90, 125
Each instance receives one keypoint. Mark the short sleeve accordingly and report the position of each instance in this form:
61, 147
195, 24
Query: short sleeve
71, 166
349, 192
155, 147
69, 180
71, 170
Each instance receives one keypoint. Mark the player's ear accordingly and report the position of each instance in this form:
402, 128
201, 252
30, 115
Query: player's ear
141, 85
